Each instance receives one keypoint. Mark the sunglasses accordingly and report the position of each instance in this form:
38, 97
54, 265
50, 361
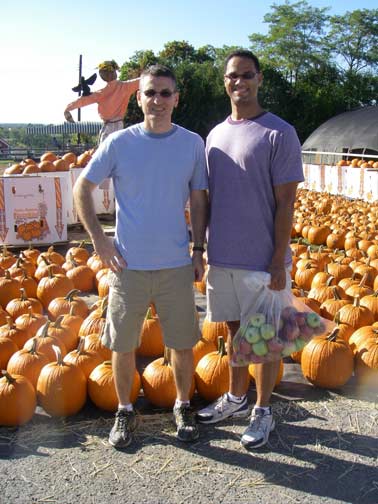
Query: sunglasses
166, 93
246, 76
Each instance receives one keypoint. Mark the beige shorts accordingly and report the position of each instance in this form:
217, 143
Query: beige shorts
130, 294
228, 296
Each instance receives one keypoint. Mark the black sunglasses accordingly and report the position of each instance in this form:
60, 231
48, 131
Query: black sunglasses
246, 75
166, 93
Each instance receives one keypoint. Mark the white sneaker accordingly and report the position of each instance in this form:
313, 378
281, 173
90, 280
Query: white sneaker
223, 408
259, 428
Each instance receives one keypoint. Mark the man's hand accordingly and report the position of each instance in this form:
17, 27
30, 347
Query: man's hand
68, 116
109, 255
199, 268
278, 277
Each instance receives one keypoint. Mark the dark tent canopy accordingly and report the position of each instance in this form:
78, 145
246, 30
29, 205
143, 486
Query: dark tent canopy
354, 131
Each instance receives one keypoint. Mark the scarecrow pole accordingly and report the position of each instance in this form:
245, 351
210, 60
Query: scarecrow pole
79, 110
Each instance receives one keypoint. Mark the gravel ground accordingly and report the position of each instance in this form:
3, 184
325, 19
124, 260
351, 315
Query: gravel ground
324, 449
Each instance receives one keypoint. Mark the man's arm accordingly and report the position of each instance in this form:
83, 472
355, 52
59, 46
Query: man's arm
285, 195
199, 212
103, 244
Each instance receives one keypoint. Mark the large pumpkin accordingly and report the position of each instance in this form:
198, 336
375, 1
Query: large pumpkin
327, 361
159, 384
17, 399
61, 387
86, 360
101, 387
53, 286
28, 363
212, 373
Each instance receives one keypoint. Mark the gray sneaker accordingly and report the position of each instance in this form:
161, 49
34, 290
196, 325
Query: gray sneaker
258, 430
223, 408
187, 429
125, 424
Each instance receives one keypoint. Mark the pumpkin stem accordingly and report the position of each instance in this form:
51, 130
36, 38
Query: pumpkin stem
33, 348
80, 346
8, 376
153, 310
45, 330
71, 294
221, 346
167, 356
58, 353
58, 321
334, 334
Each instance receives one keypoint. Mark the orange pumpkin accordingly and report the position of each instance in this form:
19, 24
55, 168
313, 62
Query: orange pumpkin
28, 363
327, 361
159, 384
17, 399
101, 387
212, 373
151, 335
61, 387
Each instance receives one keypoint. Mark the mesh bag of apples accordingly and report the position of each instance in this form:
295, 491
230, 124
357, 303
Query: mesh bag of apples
277, 324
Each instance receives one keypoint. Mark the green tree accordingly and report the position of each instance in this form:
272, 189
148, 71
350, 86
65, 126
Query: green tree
294, 41
353, 40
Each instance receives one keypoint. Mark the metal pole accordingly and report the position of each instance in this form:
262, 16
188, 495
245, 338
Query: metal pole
79, 110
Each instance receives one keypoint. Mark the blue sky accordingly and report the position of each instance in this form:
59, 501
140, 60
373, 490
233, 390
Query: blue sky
41, 41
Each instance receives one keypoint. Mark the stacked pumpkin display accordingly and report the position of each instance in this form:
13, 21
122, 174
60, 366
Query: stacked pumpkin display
50, 162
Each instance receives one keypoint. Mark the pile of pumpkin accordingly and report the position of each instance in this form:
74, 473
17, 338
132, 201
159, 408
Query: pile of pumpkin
358, 163
51, 352
335, 272
50, 162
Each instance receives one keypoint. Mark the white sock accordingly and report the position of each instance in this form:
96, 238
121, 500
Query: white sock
179, 403
234, 398
125, 407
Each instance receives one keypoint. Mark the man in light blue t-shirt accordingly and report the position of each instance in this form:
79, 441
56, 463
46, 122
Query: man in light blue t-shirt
254, 165
156, 166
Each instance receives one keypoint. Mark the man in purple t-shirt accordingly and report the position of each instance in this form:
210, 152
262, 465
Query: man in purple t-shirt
254, 164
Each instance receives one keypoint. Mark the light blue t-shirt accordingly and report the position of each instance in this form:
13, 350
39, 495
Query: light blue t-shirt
152, 175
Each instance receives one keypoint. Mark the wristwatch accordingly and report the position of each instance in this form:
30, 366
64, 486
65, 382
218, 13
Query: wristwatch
198, 247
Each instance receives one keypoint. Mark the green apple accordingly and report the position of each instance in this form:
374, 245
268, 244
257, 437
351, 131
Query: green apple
257, 320
289, 349
267, 331
252, 334
313, 319
260, 348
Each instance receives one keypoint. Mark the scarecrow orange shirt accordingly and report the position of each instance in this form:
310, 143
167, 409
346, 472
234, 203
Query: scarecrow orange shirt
112, 100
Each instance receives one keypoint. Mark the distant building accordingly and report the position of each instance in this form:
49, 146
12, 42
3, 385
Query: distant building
4, 146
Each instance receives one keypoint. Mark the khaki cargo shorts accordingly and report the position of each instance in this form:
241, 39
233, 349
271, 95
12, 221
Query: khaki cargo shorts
228, 297
130, 294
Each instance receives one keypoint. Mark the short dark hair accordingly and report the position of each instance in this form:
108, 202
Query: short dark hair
242, 53
158, 70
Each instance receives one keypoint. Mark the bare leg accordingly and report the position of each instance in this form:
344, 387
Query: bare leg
265, 378
183, 369
239, 379
124, 369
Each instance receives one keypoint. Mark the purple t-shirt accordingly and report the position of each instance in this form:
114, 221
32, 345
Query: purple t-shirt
246, 159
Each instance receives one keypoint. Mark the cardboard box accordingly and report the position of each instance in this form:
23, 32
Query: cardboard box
103, 197
370, 185
33, 209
